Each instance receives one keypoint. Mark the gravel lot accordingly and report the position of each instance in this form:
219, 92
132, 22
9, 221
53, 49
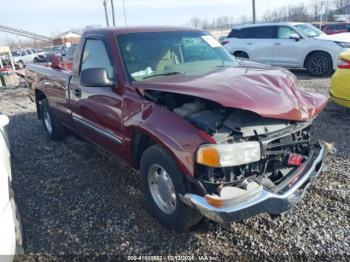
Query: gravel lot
76, 199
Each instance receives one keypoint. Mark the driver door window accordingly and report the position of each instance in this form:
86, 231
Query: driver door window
285, 32
95, 56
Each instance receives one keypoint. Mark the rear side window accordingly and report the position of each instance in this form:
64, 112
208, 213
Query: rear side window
95, 56
259, 32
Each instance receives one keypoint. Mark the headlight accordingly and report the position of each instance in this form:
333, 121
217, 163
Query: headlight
344, 44
225, 155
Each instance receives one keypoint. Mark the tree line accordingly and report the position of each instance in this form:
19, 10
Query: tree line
302, 12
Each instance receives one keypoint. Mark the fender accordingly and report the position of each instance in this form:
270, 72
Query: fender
176, 135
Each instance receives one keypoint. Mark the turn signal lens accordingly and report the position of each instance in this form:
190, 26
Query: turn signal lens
216, 202
208, 156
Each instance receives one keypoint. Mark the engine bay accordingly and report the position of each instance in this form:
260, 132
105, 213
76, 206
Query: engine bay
285, 144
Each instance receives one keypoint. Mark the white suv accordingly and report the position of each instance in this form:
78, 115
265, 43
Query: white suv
292, 45
24, 56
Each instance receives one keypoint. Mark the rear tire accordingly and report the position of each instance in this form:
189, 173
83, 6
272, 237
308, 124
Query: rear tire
162, 184
319, 64
53, 128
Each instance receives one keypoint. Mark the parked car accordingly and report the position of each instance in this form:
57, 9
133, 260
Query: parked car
10, 222
291, 45
340, 85
22, 57
336, 28
211, 137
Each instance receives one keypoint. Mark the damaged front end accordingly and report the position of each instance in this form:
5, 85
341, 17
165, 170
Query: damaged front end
252, 165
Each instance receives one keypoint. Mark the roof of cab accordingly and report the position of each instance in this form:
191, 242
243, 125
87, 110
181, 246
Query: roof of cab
140, 29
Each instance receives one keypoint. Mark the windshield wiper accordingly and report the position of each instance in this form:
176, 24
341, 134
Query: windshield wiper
162, 74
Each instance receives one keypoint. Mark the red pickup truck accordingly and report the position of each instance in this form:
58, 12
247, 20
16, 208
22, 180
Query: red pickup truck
212, 136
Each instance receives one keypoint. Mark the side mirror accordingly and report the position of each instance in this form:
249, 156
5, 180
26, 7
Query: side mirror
296, 37
95, 77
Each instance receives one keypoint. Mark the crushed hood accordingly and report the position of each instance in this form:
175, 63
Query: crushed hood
272, 93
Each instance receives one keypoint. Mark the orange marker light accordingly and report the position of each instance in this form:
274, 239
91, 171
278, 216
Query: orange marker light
208, 156
214, 201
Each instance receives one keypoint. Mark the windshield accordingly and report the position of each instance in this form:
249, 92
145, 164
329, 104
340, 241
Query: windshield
153, 54
309, 30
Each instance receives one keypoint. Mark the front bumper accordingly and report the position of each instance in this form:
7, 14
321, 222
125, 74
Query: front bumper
266, 201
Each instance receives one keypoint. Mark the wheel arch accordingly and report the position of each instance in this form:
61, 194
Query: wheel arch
315, 51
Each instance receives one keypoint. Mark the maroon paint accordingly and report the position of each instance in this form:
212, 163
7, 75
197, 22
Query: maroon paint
123, 112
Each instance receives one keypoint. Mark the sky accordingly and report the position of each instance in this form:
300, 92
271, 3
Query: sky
51, 17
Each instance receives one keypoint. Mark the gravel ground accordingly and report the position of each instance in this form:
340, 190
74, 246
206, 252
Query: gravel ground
76, 199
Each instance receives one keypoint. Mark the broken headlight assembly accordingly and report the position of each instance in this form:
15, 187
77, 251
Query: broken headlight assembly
226, 155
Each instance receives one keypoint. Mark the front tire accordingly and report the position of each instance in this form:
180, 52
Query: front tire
53, 128
319, 64
162, 184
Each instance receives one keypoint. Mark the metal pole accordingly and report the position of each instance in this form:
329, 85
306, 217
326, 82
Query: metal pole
106, 14
327, 11
113, 14
254, 15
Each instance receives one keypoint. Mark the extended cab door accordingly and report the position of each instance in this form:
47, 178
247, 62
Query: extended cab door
287, 50
97, 111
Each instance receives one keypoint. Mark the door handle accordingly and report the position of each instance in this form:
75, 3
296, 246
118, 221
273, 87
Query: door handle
278, 44
249, 43
77, 92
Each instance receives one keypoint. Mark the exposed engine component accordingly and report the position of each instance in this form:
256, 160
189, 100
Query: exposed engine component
247, 123
285, 145
209, 121
190, 108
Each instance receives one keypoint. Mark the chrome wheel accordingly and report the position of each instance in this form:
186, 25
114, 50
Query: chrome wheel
162, 189
319, 65
47, 121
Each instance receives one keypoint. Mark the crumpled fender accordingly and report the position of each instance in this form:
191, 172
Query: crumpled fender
175, 134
